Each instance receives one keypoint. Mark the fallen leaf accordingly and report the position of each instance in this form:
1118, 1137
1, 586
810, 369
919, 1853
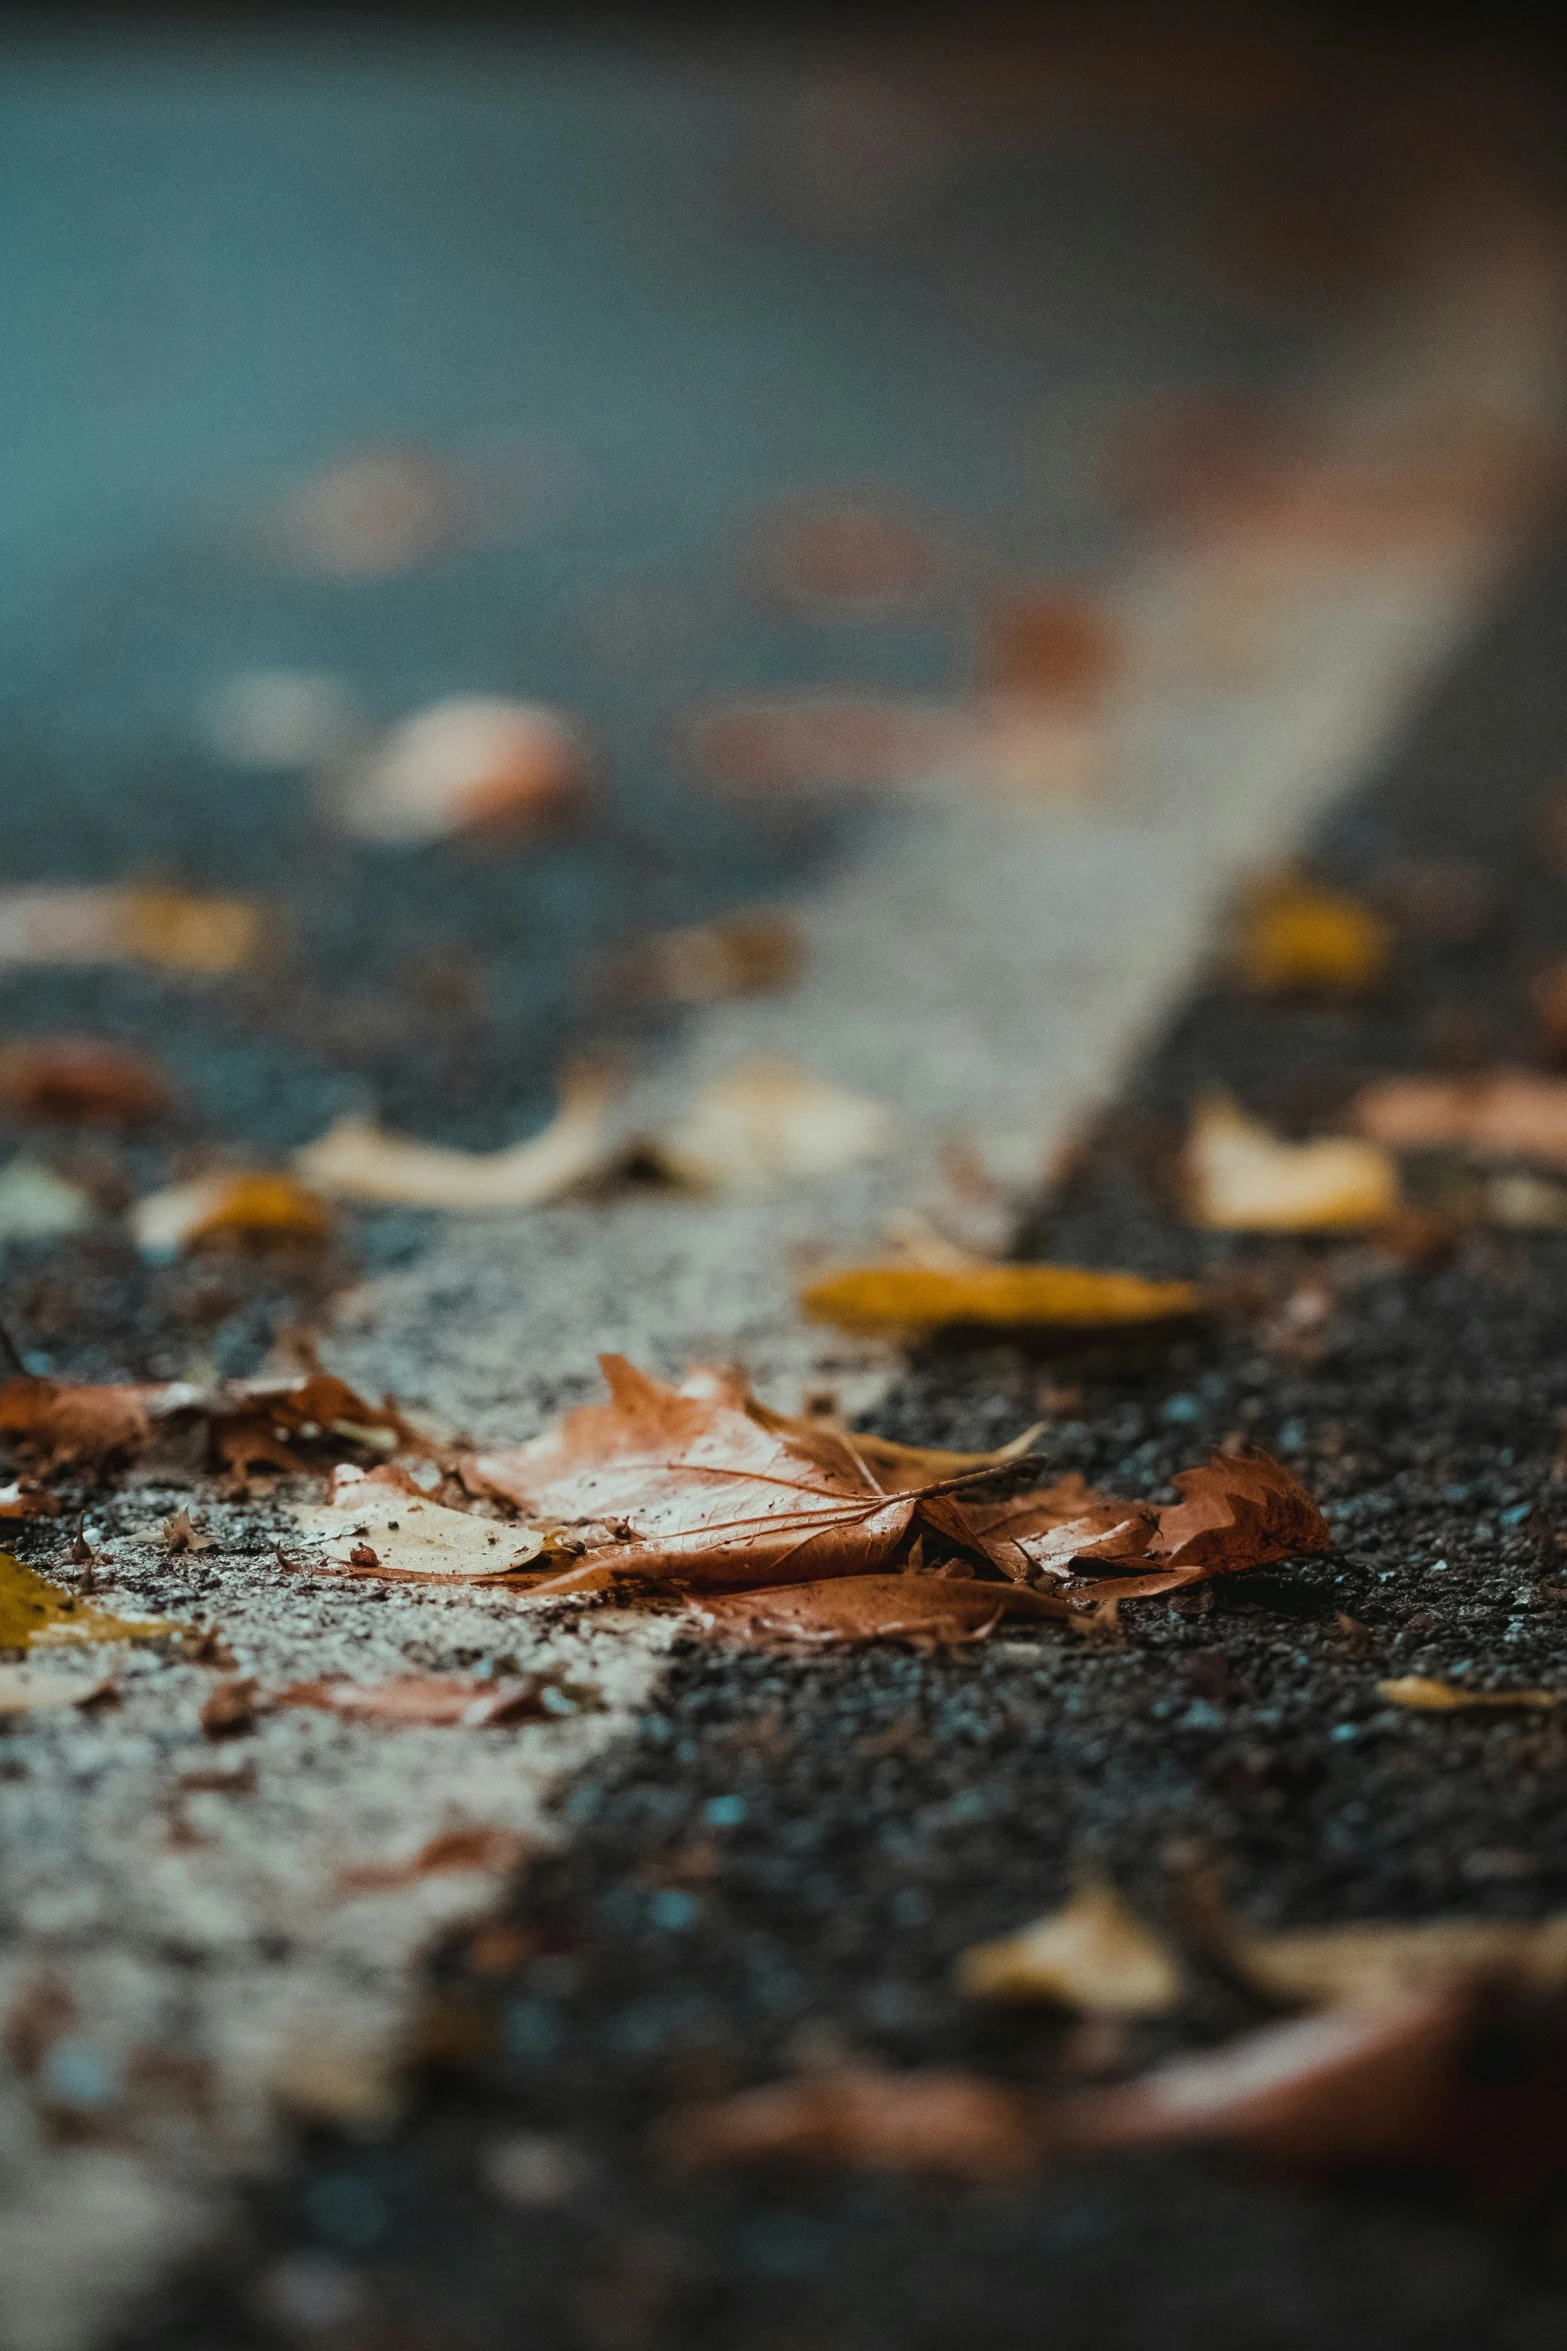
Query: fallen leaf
770, 1117
63, 1425
25, 1691
915, 1297
82, 1079
38, 1205
414, 1540
231, 1710
933, 1608
748, 954
1094, 1955
927, 2121
1355, 2085
355, 1160
492, 1849
1242, 1178
1512, 1114
35, 1614
1238, 1511
1045, 1532
22, 1499
1328, 1966
697, 1489
879, 1460
427, 1701
174, 930
471, 763
1433, 1697
254, 1208
279, 1421
1293, 937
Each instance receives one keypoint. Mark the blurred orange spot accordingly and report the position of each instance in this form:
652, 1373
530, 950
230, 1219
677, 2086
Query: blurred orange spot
471, 763
1052, 645
848, 559
82, 1078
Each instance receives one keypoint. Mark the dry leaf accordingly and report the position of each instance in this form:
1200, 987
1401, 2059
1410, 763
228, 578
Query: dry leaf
35, 1614
63, 1425
21, 1499
25, 1691
1094, 1955
355, 1160
915, 1297
474, 762
933, 1608
880, 1461
411, 1539
174, 930
1293, 937
1355, 2085
929, 2121
38, 1205
255, 1208
82, 1079
426, 1701
1044, 1532
697, 1489
181, 1534
1511, 1115
1242, 1178
1434, 1697
1327, 1966
278, 1421
770, 1117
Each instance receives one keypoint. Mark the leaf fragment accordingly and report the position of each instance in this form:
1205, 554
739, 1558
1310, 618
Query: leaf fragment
411, 1539
916, 1297
249, 1209
1429, 1696
427, 1701
356, 1160
1093, 1955
1242, 1178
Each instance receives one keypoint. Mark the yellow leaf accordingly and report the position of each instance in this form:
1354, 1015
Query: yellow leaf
1291, 936
1094, 1955
355, 1160
1433, 1697
179, 931
250, 1207
1242, 1178
1008, 1296
37, 1614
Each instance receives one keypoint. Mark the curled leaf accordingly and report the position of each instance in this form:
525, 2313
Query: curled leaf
930, 2121
1429, 1696
1242, 1178
914, 1297
1094, 1955
355, 1160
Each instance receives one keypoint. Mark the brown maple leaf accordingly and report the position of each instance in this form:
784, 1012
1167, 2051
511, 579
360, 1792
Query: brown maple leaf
704, 1490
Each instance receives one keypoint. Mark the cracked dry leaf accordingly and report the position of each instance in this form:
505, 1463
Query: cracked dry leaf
1429, 1696
1292, 937
248, 1209
769, 1116
928, 2121
410, 1539
35, 1614
1329, 1966
356, 1160
917, 1297
1242, 1178
930, 1608
1094, 1955
25, 1691
692, 1488
1511, 1114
